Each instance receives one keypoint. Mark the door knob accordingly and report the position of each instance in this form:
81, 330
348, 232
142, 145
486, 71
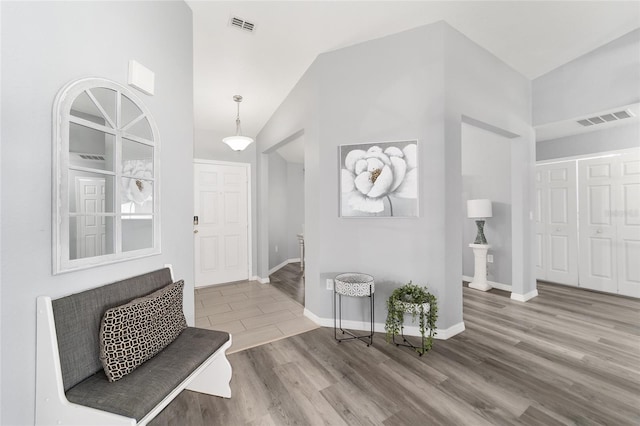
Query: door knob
599, 231
195, 231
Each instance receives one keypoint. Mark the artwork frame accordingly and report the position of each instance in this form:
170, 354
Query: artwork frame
379, 179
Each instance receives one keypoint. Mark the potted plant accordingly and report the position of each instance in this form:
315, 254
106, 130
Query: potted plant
417, 301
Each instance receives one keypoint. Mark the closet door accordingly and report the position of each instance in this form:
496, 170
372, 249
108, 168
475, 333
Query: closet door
597, 194
610, 224
556, 224
628, 225
540, 238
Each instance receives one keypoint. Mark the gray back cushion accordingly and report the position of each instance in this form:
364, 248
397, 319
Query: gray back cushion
78, 318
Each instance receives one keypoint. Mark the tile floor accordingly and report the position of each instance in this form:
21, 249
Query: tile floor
253, 313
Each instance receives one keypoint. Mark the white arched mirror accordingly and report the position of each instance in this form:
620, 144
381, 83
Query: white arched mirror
105, 200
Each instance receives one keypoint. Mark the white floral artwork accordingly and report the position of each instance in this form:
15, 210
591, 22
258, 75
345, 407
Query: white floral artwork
137, 190
379, 179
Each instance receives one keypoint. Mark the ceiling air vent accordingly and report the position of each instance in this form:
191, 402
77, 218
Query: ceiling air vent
241, 24
606, 118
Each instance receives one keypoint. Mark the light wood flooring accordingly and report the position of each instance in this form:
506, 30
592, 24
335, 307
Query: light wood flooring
253, 313
566, 357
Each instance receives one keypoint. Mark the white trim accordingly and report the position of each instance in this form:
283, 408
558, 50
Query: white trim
260, 280
524, 297
170, 266
593, 156
247, 166
283, 264
410, 330
493, 284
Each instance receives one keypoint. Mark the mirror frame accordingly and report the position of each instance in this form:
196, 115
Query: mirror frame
60, 174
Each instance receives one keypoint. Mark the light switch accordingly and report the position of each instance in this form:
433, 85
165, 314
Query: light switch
141, 77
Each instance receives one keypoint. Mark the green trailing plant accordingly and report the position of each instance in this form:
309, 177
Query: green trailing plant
410, 299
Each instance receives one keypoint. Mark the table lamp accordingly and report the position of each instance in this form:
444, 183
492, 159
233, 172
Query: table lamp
479, 210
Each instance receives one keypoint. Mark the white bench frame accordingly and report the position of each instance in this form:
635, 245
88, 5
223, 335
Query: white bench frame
212, 377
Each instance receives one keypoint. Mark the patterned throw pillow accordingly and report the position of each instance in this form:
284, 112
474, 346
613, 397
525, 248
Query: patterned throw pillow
132, 333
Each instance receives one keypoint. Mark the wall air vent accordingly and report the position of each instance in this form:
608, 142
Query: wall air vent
241, 24
84, 156
606, 118
92, 157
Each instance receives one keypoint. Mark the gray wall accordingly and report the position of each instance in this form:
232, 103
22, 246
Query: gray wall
615, 138
44, 46
396, 88
484, 155
286, 209
607, 77
295, 207
483, 90
277, 210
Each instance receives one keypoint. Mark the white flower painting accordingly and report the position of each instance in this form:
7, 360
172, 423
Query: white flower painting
379, 180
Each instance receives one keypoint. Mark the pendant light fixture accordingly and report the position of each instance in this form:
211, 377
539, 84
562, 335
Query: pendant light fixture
238, 142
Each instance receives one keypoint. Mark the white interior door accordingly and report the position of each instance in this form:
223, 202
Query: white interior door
556, 223
628, 225
221, 234
90, 228
599, 185
540, 260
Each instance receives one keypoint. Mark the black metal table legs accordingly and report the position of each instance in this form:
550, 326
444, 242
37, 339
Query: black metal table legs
337, 321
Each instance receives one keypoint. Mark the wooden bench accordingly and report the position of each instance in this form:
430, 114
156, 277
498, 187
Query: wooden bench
71, 386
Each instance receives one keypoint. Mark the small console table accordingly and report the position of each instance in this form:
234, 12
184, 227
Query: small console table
353, 285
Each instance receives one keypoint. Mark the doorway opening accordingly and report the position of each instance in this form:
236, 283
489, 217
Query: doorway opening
286, 216
486, 166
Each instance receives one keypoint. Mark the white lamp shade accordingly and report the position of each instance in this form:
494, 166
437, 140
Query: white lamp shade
479, 209
238, 143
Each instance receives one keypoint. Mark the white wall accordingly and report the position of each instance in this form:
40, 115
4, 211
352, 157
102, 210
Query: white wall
413, 85
44, 46
484, 155
605, 78
615, 138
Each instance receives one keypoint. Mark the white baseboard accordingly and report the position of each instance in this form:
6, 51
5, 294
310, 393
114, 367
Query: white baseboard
263, 280
409, 330
499, 286
524, 297
283, 264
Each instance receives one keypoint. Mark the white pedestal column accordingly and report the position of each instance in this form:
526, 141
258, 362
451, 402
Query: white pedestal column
480, 275
301, 241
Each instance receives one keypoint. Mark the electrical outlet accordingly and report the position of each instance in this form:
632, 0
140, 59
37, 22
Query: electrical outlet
490, 258
329, 283
276, 249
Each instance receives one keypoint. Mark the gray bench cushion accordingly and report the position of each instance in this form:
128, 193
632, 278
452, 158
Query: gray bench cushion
78, 318
139, 392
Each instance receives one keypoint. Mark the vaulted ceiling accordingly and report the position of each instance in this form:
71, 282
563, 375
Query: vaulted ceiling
533, 37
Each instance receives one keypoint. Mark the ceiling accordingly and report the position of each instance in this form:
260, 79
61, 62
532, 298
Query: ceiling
533, 37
